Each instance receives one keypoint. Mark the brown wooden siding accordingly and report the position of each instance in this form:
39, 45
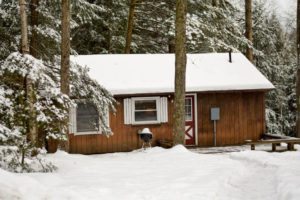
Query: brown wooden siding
241, 118
125, 137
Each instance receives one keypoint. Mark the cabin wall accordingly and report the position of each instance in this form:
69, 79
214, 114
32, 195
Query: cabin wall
242, 117
125, 137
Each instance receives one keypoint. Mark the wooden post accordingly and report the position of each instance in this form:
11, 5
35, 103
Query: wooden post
290, 146
274, 146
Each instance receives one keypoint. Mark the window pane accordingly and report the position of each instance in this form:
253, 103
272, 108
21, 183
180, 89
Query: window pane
188, 110
145, 116
145, 110
87, 118
145, 105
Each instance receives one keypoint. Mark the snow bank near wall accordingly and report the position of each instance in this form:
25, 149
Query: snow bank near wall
163, 174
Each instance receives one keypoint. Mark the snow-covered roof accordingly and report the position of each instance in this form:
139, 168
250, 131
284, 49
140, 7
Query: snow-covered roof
125, 74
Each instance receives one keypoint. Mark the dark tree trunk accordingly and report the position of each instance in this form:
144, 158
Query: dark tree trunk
171, 45
65, 47
34, 22
215, 3
249, 31
130, 26
65, 55
180, 69
29, 86
298, 71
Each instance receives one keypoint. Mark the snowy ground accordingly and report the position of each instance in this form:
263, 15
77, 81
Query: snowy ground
161, 174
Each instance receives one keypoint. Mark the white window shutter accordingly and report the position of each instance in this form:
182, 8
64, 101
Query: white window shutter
72, 120
127, 111
163, 109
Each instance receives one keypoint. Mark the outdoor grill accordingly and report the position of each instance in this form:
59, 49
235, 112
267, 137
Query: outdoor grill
146, 137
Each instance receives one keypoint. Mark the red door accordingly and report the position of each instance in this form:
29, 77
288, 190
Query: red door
190, 120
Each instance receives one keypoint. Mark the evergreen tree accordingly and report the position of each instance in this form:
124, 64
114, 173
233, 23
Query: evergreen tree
50, 105
298, 69
214, 27
275, 58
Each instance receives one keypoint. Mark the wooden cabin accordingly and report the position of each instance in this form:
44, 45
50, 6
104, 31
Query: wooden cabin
225, 101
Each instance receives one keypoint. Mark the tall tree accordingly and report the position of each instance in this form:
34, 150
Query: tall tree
65, 47
180, 69
24, 28
298, 70
249, 31
130, 25
29, 85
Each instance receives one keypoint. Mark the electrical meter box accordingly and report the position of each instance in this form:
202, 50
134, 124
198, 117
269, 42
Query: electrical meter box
215, 113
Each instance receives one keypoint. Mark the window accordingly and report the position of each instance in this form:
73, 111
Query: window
87, 118
188, 109
145, 110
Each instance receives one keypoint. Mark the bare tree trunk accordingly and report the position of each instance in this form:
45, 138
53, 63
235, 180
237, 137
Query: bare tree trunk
65, 56
180, 69
298, 71
30, 97
34, 22
249, 31
130, 26
65, 47
24, 28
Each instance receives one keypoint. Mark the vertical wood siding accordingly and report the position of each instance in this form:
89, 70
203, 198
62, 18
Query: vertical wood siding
241, 117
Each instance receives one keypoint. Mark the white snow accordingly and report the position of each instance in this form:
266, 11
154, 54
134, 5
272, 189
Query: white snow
163, 174
154, 73
285, 6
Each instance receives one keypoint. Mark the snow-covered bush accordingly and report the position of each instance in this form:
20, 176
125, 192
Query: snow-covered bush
18, 155
50, 104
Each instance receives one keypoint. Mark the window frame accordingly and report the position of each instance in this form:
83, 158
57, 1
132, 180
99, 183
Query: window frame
157, 101
191, 106
74, 123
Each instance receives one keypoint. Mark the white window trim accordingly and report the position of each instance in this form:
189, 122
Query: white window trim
191, 106
158, 110
74, 124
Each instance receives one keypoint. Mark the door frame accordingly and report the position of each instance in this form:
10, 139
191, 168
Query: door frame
195, 116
